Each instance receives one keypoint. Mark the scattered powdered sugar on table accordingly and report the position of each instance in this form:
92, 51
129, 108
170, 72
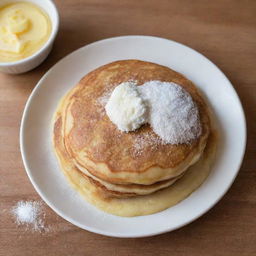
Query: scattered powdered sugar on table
173, 115
30, 214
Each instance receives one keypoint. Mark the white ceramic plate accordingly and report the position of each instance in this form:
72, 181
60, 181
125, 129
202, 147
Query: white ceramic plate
44, 171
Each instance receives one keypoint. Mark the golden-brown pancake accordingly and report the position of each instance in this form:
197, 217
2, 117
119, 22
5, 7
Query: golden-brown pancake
109, 189
96, 145
139, 205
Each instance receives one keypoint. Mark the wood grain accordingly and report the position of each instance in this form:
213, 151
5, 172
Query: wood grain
224, 31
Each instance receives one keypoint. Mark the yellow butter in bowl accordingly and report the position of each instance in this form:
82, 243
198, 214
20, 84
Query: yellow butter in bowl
17, 22
24, 29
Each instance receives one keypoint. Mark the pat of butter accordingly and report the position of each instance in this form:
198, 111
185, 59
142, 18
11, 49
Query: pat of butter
17, 22
9, 41
125, 108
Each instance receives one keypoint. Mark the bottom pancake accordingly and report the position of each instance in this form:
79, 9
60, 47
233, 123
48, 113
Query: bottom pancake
140, 205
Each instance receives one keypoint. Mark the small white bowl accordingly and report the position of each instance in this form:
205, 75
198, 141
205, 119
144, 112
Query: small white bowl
24, 65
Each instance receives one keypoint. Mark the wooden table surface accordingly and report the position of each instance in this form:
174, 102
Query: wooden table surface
225, 32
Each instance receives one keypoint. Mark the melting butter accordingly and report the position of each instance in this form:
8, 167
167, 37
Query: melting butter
24, 29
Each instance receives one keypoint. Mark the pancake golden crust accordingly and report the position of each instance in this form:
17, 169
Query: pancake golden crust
135, 206
105, 188
96, 145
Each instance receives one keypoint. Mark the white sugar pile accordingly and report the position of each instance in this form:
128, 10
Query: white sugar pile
173, 115
29, 213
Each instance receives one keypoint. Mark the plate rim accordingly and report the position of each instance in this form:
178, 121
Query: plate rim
118, 234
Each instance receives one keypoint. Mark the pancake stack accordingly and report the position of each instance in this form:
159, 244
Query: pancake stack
114, 163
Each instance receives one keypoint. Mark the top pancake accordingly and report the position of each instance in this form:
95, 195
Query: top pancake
139, 157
